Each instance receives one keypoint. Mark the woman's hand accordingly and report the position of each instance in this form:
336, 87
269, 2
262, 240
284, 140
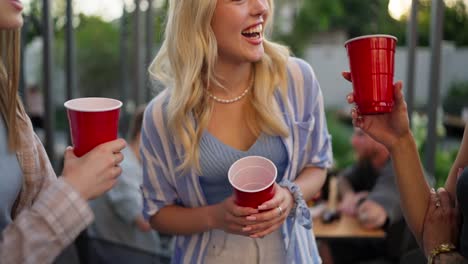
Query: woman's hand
441, 224
387, 128
274, 213
97, 171
349, 203
232, 218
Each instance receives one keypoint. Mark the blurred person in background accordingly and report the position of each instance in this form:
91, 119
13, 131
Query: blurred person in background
35, 106
33, 94
39, 214
118, 213
368, 192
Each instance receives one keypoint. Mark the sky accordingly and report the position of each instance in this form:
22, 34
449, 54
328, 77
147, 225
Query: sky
107, 9
112, 9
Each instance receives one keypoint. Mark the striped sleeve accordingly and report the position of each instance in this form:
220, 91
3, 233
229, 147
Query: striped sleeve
158, 185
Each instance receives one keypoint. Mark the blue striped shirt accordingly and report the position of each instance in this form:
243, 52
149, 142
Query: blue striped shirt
308, 145
216, 158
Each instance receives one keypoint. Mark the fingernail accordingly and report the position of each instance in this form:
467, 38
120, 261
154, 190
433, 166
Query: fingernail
433, 190
251, 218
262, 207
247, 228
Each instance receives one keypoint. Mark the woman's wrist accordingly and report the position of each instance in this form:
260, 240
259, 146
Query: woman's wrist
300, 210
76, 186
441, 249
404, 142
450, 258
212, 217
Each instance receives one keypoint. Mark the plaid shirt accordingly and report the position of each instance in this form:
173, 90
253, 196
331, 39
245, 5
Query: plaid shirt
48, 215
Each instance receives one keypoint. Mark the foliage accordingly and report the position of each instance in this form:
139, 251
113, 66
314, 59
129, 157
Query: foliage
97, 44
455, 21
444, 157
355, 17
341, 135
444, 160
456, 98
360, 17
419, 124
314, 16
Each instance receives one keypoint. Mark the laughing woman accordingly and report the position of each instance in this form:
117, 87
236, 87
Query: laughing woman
231, 93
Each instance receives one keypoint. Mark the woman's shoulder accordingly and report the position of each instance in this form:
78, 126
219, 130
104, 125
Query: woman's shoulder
301, 68
303, 79
155, 114
158, 104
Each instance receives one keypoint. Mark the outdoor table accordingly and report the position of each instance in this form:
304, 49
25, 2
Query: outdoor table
346, 227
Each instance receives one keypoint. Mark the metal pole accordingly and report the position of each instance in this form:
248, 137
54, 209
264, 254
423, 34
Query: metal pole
149, 48
124, 68
138, 53
437, 19
69, 55
47, 80
412, 37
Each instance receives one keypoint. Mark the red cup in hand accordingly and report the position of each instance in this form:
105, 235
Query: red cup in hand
93, 121
252, 179
372, 63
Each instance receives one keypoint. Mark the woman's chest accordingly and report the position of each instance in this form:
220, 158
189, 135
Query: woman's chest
231, 127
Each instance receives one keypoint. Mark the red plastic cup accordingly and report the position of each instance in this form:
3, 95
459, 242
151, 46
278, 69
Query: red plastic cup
252, 179
93, 121
372, 63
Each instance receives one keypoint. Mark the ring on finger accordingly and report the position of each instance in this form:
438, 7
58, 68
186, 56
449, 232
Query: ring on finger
280, 210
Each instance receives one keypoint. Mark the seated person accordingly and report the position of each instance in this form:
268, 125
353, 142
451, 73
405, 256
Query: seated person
118, 213
368, 191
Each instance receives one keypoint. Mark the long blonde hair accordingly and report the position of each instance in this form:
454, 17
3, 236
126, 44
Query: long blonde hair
11, 107
185, 63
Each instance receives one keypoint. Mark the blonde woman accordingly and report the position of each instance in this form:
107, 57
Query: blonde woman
40, 214
231, 93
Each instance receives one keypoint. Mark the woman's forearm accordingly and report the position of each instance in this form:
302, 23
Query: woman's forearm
414, 190
310, 181
173, 219
178, 220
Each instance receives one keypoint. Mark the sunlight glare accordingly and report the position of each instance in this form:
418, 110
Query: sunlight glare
398, 8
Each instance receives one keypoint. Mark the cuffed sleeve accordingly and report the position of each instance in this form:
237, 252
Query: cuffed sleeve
39, 234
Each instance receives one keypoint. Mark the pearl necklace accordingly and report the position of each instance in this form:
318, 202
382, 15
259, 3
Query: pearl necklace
235, 99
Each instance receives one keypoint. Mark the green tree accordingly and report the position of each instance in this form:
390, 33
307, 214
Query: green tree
360, 17
455, 23
354, 17
97, 44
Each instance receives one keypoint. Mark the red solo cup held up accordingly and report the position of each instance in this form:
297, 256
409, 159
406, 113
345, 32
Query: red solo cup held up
252, 179
93, 121
372, 65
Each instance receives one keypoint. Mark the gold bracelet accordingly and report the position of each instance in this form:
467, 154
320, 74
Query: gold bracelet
442, 248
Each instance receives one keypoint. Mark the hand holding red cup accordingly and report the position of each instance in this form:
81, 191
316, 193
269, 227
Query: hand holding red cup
372, 64
93, 121
252, 179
